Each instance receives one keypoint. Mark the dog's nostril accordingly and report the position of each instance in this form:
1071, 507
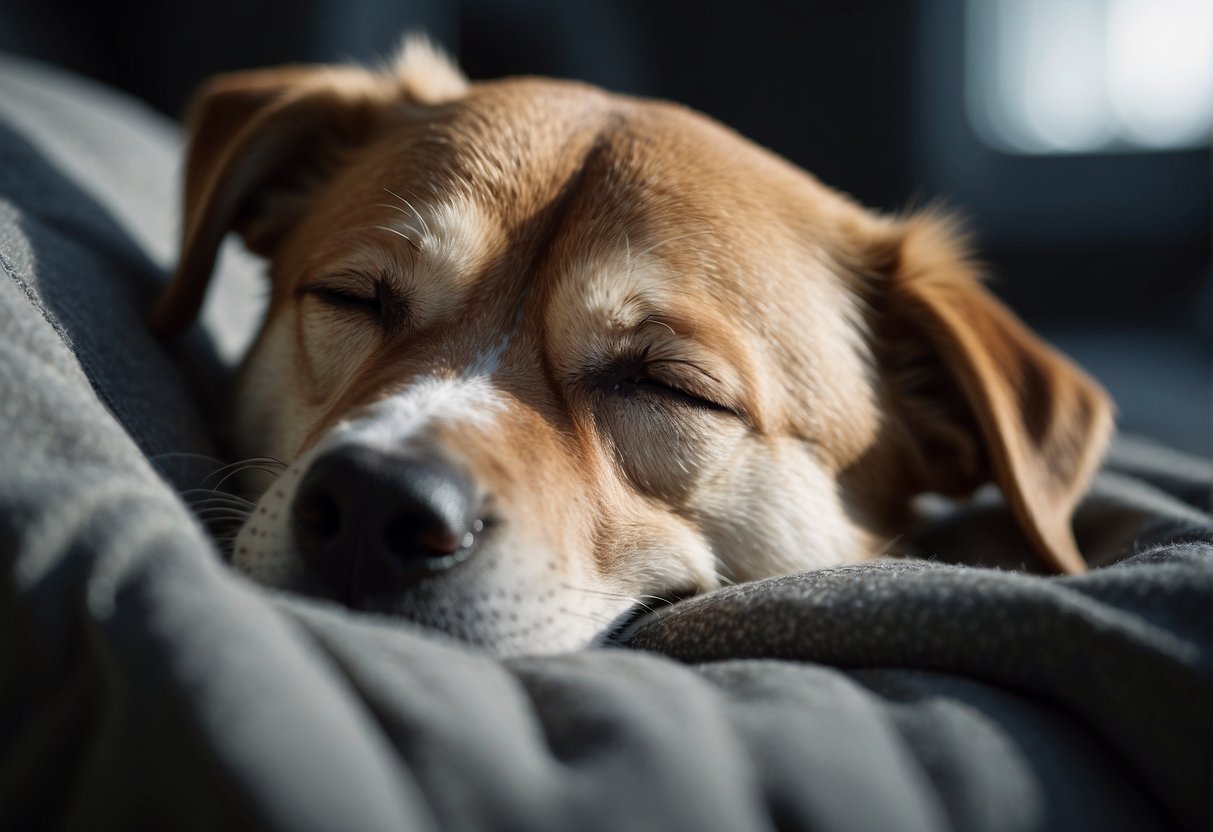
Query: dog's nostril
319, 514
429, 535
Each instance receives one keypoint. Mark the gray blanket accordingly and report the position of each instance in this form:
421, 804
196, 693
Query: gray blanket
143, 685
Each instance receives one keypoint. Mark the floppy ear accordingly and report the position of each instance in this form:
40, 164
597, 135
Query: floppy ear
982, 397
260, 141
254, 137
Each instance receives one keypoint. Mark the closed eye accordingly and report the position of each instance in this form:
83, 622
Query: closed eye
345, 299
648, 380
357, 294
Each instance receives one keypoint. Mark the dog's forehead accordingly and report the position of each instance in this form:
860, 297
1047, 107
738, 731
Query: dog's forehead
546, 174
613, 211
537, 157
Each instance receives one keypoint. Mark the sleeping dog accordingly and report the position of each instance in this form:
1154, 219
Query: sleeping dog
535, 353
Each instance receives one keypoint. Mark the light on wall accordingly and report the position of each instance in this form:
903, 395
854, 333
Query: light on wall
1084, 76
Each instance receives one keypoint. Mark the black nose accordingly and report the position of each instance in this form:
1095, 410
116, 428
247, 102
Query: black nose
369, 522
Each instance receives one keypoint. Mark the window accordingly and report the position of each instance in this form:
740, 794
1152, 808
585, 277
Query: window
1087, 76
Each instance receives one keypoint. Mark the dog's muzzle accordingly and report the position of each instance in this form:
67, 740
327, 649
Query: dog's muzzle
370, 523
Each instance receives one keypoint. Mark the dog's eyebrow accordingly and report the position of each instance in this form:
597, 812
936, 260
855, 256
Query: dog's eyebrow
432, 252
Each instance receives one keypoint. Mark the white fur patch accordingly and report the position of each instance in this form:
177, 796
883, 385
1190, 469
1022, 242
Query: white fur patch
620, 288
468, 400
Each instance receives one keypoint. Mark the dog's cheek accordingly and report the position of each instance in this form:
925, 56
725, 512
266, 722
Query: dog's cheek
645, 548
267, 410
290, 380
536, 484
667, 452
777, 510
333, 345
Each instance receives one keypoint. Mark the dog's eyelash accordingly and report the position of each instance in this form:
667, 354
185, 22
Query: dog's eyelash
641, 385
346, 298
360, 295
641, 376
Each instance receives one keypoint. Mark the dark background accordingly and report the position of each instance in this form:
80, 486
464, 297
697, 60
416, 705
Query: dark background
1106, 254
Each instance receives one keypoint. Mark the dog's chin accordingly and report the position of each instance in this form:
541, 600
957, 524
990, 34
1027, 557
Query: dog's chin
503, 635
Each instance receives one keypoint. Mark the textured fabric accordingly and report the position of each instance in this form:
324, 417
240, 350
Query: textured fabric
144, 686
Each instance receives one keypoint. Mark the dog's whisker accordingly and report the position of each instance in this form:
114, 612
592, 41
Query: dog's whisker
265, 460
210, 493
659, 598
234, 510
241, 469
635, 600
391, 207
215, 511
399, 234
208, 499
256, 460
597, 618
213, 465
601, 593
410, 227
218, 515
723, 579
185, 455
221, 527
424, 225
258, 467
606, 593
219, 524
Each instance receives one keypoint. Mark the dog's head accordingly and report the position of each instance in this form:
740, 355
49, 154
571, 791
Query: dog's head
535, 352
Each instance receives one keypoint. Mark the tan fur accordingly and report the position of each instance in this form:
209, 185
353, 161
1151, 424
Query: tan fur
539, 236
